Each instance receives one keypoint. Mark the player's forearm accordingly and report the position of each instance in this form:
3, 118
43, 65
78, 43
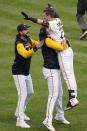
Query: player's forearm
39, 21
34, 43
36, 20
23, 52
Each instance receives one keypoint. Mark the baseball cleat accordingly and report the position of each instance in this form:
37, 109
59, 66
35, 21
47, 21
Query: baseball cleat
62, 120
69, 106
71, 103
24, 116
22, 123
49, 126
84, 34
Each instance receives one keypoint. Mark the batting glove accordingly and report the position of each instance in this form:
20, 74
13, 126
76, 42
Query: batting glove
26, 17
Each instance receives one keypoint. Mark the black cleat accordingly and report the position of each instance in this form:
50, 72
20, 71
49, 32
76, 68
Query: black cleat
69, 106
84, 34
71, 103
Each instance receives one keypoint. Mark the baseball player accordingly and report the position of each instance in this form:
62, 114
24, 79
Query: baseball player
51, 72
25, 47
54, 28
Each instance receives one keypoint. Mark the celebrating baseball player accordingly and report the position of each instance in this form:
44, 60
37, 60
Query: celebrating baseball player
54, 29
51, 72
25, 47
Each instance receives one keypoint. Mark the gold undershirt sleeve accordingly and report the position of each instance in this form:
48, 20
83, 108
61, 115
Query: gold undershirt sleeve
34, 43
23, 52
54, 45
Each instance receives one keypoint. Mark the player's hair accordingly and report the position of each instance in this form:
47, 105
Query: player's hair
50, 12
17, 36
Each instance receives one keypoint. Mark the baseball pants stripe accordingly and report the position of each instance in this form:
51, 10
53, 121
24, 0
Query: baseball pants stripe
50, 100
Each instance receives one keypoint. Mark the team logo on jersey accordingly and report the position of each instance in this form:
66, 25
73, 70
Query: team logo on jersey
27, 46
60, 25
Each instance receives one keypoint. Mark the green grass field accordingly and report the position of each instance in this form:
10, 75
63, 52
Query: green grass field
9, 19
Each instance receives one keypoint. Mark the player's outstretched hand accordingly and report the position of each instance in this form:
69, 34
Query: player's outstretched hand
63, 43
40, 44
26, 17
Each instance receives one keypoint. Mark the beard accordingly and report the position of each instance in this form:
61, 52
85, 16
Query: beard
26, 35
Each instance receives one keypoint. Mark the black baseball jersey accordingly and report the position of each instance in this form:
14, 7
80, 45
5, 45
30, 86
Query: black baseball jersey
21, 65
50, 58
49, 55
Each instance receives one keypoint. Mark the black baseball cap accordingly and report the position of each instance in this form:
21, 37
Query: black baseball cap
21, 27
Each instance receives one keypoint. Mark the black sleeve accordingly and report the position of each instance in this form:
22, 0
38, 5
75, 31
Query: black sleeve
33, 19
42, 34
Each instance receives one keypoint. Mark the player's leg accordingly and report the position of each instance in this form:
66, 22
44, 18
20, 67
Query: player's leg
51, 76
30, 92
81, 8
60, 113
22, 94
58, 102
66, 65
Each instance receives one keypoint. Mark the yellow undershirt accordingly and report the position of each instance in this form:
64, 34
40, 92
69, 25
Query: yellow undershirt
23, 52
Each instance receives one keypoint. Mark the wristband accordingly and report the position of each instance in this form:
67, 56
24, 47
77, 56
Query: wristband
35, 49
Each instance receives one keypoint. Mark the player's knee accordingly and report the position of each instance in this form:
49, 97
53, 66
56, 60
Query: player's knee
24, 95
31, 93
54, 95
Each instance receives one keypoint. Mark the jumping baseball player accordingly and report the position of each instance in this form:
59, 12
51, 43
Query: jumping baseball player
25, 47
55, 31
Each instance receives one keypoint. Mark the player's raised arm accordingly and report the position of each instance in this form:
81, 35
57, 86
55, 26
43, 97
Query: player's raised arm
35, 20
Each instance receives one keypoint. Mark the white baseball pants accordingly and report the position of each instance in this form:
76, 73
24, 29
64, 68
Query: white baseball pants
55, 93
25, 91
66, 64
